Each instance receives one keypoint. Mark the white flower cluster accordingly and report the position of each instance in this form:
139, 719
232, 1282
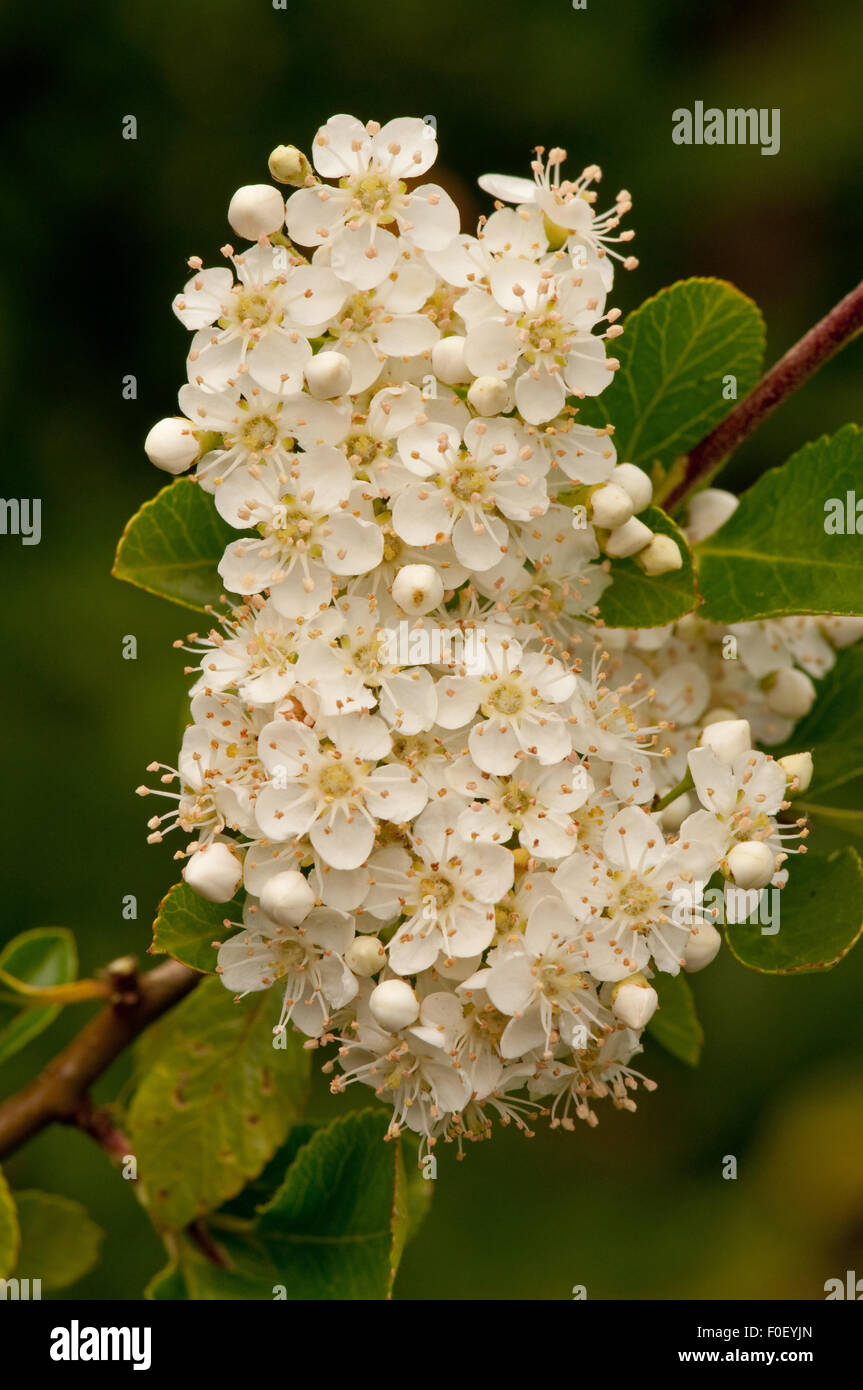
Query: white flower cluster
472, 823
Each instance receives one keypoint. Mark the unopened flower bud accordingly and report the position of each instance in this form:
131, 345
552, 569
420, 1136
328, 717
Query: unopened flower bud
798, 770
214, 872
701, 948
394, 1005
171, 445
328, 374
709, 510
447, 361
634, 1002
610, 506
661, 555
628, 539
790, 693
256, 210
289, 165
751, 864
365, 956
490, 396
727, 738
287, 898
418, 588
636, 482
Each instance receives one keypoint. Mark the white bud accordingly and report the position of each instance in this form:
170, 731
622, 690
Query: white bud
719, 713
661, 556
214, 872
798, 770
709, 510
702, 947
790, 693
365, 956
490, 396
634, 1002
394, 1005
289, 165
628, 539
674, 814
418, 588
610, 506
634, 481
751, 864
171, 445
256, 210
447, 361
727, 738
328, 374
287, 898
841, 632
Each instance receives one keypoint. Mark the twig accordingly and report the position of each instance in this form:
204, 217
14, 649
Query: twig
59, 1093
787, 376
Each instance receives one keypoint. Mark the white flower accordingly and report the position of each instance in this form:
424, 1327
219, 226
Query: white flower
539, 328
332, 788
541, 986
464, 491
537, 805
446, 889
351, 219
638, 902
307, 960
386, 321
259, 325
257, 426
311, 526
518, 696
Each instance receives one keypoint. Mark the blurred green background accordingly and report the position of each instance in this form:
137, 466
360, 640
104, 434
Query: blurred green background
98, 231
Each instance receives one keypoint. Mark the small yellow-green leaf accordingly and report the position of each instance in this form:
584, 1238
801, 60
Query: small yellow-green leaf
41, 958
10, 1233
59, 1242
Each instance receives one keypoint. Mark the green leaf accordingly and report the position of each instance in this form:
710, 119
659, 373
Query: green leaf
168, 1286
10, 1233
334, 1229
216, 1101
773, 556
675, 1024
677, 348
636, 599
187, 925
42, 957
59, 1242
173, 545
820, 917
261, 1190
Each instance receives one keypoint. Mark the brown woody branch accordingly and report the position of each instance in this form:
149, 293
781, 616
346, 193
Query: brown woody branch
59, 1093
800, 363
